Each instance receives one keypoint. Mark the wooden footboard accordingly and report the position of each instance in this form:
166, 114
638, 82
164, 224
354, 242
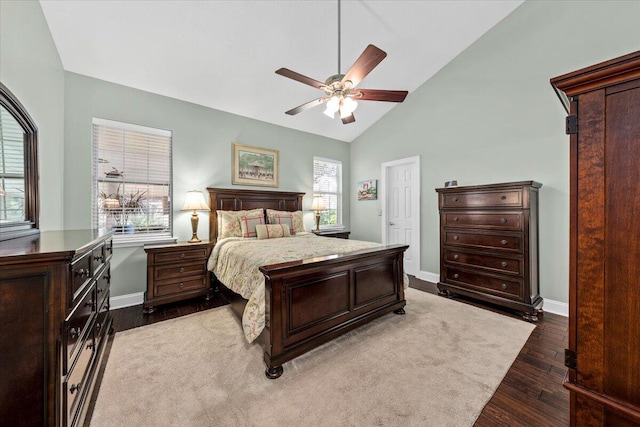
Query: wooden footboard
310, 302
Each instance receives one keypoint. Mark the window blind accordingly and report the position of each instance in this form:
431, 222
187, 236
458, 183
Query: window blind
132, 180
12, 195
327, 182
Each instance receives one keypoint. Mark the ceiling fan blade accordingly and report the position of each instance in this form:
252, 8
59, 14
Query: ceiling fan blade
348, 119
381, 95
299, 77
369, 59
306, 106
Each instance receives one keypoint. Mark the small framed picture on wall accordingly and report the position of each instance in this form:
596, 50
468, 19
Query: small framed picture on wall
368, 190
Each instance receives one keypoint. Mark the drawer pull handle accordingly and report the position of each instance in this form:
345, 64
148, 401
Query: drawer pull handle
456, 256
503, 220
181, 269
455, 276
455, 237
100, 290
181, 285
82, 272
455, 219
89, 304
455, 199
74, 388
99, 258
503, 263
504, 242
182, 255
74, 332
504, 286
90, 346
98, 326
503, 197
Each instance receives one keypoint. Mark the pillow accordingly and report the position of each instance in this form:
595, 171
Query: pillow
272, 231
229, 222
248, 225
293, 219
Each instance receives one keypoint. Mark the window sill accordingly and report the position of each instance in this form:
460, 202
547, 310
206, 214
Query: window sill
130, 242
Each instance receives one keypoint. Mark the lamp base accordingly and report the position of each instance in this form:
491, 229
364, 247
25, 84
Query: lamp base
194, 228
317, 221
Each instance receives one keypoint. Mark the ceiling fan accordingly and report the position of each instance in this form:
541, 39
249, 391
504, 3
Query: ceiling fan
340, 89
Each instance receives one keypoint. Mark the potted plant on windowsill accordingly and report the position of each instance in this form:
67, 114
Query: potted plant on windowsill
121, 207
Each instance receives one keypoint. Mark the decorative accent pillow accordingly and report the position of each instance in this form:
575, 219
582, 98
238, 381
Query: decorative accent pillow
272, 231
248, 225
294, 219
229, 222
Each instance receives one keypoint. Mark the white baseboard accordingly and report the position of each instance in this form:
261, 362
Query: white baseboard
556, 307
550, 306
128, 300
429, 276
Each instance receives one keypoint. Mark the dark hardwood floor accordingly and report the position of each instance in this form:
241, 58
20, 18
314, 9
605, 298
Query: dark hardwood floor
530, 394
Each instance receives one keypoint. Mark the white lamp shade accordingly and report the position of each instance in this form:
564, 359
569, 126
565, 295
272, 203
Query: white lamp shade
318, 204
348, 106
195, 202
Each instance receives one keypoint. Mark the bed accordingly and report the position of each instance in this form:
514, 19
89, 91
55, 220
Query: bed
310, 301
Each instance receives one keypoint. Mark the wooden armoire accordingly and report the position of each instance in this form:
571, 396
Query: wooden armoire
604, 272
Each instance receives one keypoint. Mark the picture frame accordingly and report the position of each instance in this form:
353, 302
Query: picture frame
368, 190
254, 166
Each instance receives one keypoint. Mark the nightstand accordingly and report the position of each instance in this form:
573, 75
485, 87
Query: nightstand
339, 234
176, 272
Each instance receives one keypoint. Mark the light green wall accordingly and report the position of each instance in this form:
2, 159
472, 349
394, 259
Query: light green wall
202, 139
491, 116
31, 68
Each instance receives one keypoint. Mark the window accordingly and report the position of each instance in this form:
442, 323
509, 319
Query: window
18, 169
132, 180
327, 182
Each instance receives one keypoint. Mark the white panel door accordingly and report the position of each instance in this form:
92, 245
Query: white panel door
401, 213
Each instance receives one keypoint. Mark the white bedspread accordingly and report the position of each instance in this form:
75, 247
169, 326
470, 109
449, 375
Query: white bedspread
235, 262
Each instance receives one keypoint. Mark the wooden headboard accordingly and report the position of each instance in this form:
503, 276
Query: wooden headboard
230, 199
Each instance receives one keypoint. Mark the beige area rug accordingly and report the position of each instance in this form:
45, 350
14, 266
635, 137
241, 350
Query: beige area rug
437, 365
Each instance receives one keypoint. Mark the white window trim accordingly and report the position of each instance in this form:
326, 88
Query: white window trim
340, 225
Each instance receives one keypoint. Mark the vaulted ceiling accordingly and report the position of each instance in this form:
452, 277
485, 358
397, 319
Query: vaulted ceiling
223, 54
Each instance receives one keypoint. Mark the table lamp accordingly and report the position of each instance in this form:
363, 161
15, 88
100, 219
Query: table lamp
318, 205
195, 202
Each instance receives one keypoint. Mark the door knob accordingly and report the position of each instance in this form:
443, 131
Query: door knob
392, 223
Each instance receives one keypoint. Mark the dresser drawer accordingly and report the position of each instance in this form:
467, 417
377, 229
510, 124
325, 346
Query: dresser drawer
495, 263
506, 288
102, 285
511, 243
102, 318
80, 274
508, 221
170, 287
180, 256
505, 198
78, 379
98, 258
162, 272
76, 326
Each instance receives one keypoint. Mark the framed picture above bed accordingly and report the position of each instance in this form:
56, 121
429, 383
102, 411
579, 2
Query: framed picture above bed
254, 166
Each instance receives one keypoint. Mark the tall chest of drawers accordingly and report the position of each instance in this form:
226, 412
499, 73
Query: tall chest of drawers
489, 244
54, 317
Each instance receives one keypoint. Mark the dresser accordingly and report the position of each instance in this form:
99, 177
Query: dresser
176, 272
489, 244
604, 242
54, 317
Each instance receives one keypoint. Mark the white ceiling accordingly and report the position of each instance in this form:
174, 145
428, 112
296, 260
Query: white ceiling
223, 54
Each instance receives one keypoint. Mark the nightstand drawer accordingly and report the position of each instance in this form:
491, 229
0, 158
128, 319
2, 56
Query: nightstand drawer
179, 270
185, 254
171, 287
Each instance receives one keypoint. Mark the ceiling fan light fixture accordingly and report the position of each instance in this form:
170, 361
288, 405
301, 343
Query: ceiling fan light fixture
347, 107
333, 106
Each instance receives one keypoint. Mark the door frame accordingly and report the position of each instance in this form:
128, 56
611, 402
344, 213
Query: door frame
414, 161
